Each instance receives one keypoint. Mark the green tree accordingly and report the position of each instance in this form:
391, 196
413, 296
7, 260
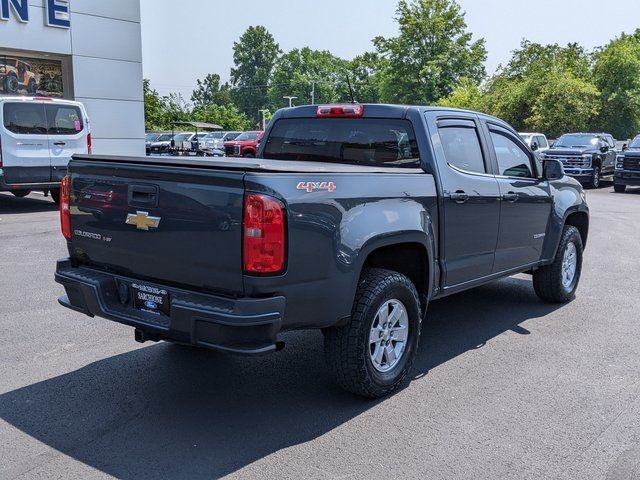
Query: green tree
154, 108
366, 72
254, 56
295, 71
617, 75
433, 52
227, 116
467, 95
211, 92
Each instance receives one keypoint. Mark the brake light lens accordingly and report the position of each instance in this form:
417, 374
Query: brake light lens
264, 235
89, 144
65, 207
341, 111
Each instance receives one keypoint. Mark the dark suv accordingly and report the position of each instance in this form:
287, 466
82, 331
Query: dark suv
628, 167
588, 157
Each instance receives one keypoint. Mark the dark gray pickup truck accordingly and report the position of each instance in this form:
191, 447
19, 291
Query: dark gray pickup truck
353, 218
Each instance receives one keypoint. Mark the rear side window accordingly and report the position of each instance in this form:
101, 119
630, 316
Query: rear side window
356, 141
462, 149
25, 118
64, 119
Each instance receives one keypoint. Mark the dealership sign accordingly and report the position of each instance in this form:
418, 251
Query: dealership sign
56, 12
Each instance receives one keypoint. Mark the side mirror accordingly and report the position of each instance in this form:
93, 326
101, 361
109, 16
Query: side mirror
625, 147
552, 169
534, 146
604, 149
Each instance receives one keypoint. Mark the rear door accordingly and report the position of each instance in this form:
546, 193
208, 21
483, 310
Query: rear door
68, 132
25, 143
526, 201
471, 199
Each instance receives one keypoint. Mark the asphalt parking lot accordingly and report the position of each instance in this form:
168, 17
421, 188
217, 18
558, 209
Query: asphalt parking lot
504, 386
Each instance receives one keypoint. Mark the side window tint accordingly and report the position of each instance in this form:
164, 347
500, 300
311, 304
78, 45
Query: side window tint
462, 149
64, 119
25, 118
512, 160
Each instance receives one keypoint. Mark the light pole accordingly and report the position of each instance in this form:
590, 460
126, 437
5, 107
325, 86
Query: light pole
263, 118
291, 99
313, 93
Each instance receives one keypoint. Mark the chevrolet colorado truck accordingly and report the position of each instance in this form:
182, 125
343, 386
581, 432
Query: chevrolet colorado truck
628, 167
588, 157
352, 219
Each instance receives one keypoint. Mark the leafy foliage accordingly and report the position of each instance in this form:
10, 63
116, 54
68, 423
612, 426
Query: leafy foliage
211, 92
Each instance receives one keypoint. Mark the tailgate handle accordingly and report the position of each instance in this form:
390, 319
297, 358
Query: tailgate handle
143, 196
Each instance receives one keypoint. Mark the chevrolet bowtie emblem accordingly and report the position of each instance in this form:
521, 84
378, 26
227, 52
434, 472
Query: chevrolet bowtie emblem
142, 220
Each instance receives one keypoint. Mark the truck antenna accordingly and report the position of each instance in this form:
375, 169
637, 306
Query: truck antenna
353, 98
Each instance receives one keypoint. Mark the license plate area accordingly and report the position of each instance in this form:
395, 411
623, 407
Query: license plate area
150, 299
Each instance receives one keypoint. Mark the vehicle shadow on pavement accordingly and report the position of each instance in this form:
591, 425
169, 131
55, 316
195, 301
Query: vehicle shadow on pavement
10, 204
169, 412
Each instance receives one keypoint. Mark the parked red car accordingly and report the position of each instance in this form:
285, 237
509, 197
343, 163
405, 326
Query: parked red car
245, 145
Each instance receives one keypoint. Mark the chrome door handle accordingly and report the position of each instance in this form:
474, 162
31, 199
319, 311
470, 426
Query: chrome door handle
511, 197
459, 197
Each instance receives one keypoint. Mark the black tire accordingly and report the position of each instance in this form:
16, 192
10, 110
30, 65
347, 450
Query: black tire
619, 188
55, 195
11, 84
347, 348
249, 155
548, 281
32, 88
596, 178
20, 193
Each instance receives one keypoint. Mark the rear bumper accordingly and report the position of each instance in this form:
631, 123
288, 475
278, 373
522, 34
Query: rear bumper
242, 326
7, 187
628, 178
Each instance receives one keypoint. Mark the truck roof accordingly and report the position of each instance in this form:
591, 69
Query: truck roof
39, 99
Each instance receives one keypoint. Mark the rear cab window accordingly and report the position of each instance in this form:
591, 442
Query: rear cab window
356, 141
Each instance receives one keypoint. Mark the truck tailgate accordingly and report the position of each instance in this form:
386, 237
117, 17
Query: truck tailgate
172, 225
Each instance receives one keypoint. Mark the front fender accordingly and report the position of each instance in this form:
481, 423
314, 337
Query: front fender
567, 199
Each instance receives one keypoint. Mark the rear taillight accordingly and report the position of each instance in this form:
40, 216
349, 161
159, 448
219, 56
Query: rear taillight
65, 207
264, 235
89, 144
341, 111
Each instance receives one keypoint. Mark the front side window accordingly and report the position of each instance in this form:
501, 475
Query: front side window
25, 118
513, 161
357, 141
64, 119
542, 142
462, 149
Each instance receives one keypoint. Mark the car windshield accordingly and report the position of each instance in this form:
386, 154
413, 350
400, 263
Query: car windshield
635, 143
361, 141
573, 140
183, 137
152, 137
247, 136
165, 137
214, 136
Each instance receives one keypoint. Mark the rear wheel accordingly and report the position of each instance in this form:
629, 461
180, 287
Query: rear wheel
558, 282
372, 355
20, 193
55, 195
619, 188
32, 88
594, 181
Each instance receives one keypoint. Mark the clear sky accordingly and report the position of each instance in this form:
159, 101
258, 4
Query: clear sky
196, 37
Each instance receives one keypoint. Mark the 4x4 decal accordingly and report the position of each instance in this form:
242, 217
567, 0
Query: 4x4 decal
311, 187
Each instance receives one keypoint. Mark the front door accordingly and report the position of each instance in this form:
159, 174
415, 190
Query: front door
526, 201
25, 143
471, 199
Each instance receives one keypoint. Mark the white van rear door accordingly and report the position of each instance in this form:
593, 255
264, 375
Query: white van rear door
25, 143
68, 130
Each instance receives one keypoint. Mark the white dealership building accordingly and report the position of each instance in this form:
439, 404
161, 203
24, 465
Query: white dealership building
85, 50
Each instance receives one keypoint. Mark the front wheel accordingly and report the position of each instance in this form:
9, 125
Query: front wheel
596, 176
619, 188
20, 193
249, 155
558, 282
373, 353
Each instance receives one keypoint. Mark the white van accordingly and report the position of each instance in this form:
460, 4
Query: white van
38, 135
